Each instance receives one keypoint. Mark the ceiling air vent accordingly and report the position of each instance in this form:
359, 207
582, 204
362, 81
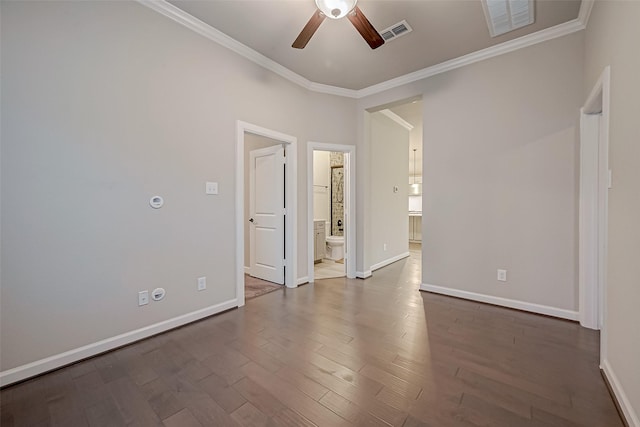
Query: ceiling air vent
507, 15
396, 30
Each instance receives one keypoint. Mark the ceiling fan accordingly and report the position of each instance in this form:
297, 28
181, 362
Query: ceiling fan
336, 9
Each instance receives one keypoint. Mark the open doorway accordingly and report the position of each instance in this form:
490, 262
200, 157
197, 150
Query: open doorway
331, 216
266, 211
395, 151
409, 115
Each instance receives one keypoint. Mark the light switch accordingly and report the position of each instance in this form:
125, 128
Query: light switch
212, 188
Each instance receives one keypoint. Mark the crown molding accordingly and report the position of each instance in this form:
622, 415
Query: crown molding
585, 11
333, 90
178, 15
181, 17
396, 118
490, 52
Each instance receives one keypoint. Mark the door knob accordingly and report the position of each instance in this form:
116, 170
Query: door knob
250, 219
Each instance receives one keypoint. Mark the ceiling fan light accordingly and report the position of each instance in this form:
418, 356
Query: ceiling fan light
336, 9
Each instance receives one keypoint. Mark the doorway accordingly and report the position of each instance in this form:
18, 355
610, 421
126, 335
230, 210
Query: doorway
338, 218
395, 153
245, 133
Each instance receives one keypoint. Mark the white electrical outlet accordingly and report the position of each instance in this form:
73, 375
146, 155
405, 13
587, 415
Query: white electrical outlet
143, 298
502, 275
202, 283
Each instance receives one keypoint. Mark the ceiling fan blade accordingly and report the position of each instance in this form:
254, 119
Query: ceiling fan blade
364, 27
308, 30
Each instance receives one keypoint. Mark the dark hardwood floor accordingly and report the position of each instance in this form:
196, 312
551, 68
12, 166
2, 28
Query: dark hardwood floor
341, 352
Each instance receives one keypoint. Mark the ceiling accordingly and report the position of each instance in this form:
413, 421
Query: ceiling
338, 56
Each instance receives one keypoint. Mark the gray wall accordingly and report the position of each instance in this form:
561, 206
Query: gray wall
389, 212
612, 39
105, 104
500, 172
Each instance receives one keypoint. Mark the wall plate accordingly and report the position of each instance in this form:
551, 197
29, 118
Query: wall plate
158, 293
156, 202
211, 188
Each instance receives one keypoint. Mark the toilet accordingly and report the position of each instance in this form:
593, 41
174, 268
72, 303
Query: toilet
335, 247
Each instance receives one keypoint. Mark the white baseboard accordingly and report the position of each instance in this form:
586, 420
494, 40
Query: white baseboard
391, 260
38, 367
363, 274
303, 280
504, 302
247, 270
630, 415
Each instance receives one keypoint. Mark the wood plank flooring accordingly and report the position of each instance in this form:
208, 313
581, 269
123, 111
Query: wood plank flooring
338, 353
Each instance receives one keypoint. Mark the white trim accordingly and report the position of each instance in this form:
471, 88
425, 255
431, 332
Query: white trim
594, 299
291, 221
178, 15
38, 367
585, 11
303, 280
630, 415
363, 274
388, 261
247, 270
396, 118
490, 52
181, 17
191, 22
350, 245
504, 302
333, 90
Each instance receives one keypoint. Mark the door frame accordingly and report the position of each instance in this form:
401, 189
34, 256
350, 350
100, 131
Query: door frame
350, 207
291, 197
593, 210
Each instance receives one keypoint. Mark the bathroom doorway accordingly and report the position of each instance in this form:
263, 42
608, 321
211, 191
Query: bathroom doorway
331, 189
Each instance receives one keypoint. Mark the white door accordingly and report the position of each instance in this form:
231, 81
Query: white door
266, 213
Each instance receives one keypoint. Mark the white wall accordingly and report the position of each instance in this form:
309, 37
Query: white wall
105, 104
389, 211
322, 188
500, 173
612, 39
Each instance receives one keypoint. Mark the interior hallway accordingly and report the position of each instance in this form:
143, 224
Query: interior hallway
334, 353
